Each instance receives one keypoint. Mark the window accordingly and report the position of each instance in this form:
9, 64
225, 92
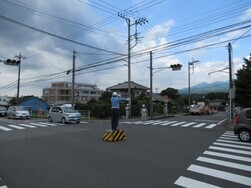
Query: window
248, 114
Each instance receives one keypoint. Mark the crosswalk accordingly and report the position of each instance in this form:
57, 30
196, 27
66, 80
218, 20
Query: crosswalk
226, 160
32, 125
205, 125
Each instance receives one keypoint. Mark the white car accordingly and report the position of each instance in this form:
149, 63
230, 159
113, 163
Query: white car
64, 114
18, 112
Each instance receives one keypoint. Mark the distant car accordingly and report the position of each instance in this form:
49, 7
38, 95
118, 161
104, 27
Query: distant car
242, 126
18, 112
64, 114
3, 111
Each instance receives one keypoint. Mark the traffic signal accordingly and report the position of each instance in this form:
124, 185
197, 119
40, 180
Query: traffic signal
176, 67
12, 62
78, 93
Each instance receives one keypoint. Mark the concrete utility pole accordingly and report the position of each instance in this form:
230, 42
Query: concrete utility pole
189, 74
129, 24
151, 85
19, 67
230, 81
73, 78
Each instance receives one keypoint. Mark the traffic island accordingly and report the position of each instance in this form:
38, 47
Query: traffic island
113, 136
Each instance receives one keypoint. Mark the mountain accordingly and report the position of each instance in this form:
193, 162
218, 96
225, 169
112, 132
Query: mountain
204, 87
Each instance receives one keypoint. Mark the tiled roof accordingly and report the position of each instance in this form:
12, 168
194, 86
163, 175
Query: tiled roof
125, 86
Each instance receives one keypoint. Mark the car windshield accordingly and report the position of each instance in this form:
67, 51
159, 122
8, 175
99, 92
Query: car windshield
2, 108
20, 108
69, 110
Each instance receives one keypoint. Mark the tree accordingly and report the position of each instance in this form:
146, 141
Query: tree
243, 85
171, 93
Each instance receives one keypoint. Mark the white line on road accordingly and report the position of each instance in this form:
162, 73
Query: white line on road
168, 123
230, 150
224, 163
221, 174
179, 123
211, 126
191, 183
188, 124
39, 125
50, 124
5, 128
232, 146
234, 142
16, 127
26, 125
228, 156
199, 125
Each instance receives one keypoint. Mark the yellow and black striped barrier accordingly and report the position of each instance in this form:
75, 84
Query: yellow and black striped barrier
112, 136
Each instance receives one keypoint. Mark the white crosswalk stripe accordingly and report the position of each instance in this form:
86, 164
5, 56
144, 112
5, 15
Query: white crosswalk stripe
173, 123
15, 126
22, 126
225, 155
5, 128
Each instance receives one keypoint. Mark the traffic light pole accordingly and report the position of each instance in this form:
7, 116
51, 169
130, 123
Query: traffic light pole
19, 69
189, 74
73, 78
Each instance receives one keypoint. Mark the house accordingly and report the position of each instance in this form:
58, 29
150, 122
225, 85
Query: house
4, 100
122, 89
61, 93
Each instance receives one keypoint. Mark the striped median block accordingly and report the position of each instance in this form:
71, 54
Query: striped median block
113, 136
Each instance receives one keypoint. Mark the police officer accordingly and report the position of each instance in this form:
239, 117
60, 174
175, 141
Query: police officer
143, 112
115, 100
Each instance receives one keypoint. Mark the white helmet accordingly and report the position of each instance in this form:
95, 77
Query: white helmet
143, 105
114, 94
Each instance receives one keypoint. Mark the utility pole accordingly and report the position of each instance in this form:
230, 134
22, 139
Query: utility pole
230, 81
73, 78
151, 85
189, 74
18, 79
129, 24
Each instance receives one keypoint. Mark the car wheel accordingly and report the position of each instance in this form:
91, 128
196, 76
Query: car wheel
244, 135
49, 119
78, 122
63, 121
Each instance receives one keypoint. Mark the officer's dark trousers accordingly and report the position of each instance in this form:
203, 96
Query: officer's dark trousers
115, 118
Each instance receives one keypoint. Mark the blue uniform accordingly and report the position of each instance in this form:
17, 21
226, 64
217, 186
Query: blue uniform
115, 111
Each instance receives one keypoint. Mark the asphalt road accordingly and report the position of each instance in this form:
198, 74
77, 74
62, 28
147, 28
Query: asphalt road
74, 155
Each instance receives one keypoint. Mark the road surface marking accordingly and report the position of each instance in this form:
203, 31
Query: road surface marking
39, 125
159, 122
199, 125
179, 123
16, 127
228, 156
191, 183
233, 142
211, 126
51, 124
224, 163
221, 174
168, 123
231, 145
230, 150
5, 128
188, 124
26, 125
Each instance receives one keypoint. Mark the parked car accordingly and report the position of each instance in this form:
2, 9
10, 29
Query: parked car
242, 126
18, 112
64, 114
3, 111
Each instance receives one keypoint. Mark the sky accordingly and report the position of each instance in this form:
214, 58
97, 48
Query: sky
45, 33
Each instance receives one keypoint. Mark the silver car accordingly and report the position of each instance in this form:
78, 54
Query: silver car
18, 112
64, 114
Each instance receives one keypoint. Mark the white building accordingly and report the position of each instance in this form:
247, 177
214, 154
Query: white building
4, 100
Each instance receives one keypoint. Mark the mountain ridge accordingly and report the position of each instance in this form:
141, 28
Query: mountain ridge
204, 87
